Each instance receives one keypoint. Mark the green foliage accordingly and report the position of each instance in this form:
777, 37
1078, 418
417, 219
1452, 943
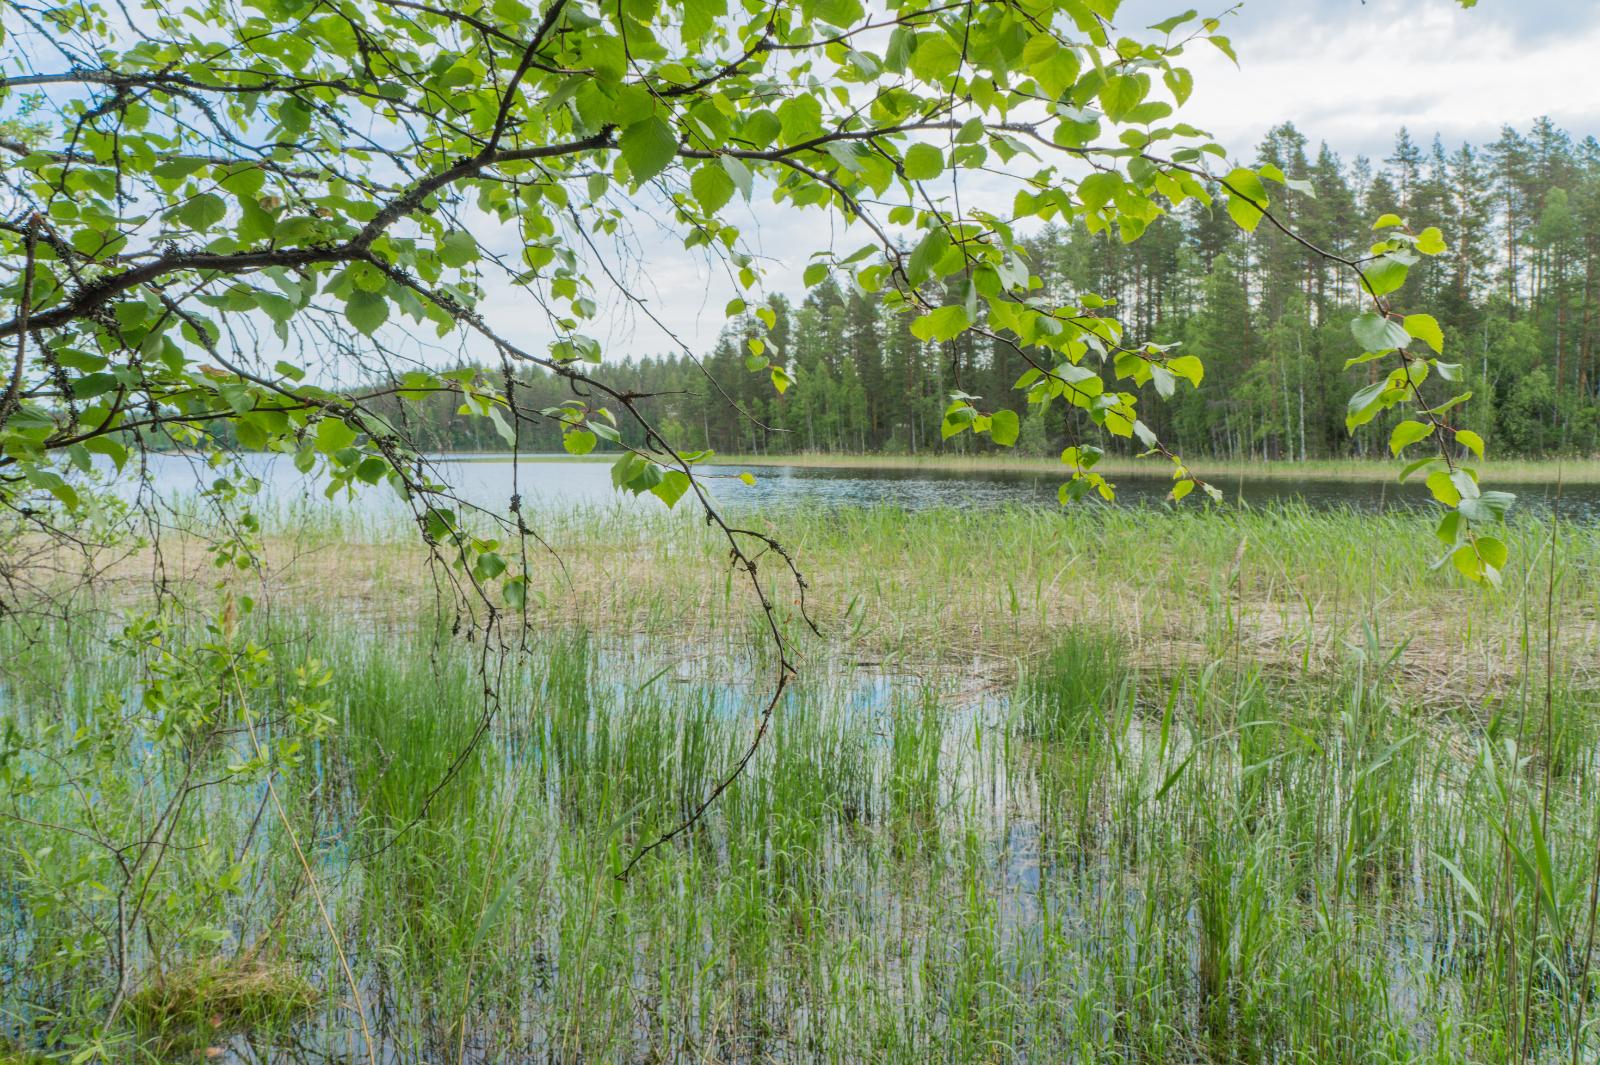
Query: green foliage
176, 204
166, 721
1296, 798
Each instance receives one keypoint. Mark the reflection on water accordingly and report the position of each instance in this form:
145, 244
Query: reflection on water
898, 854
1100, 864
490, 482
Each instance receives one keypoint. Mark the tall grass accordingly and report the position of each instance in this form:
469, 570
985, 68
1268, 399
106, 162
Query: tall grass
1219, 470
1241, 805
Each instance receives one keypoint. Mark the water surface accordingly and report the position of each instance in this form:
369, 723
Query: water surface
490, 481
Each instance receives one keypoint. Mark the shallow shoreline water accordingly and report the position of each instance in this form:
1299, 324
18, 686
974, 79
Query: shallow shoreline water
489, 481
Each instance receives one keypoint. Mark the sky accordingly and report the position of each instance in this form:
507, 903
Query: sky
1344, 71
1349, 72
1352, 73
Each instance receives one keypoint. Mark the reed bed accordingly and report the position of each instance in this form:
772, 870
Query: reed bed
1571, 470
1118, 786
1288, 587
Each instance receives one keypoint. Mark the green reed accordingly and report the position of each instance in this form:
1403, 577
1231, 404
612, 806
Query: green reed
1187, 839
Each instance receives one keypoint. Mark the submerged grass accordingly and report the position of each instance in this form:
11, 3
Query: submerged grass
1130, 788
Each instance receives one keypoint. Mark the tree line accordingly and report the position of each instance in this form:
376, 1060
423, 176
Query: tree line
1516, 293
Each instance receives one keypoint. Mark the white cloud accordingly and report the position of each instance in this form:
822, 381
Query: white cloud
1352, 74
1346, 72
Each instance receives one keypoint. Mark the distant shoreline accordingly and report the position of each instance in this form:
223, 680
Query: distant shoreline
1219, 471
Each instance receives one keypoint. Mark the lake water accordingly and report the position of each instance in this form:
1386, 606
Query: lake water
489, 481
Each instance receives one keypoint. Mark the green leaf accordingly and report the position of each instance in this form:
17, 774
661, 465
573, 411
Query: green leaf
1449, 529
1003, 427
1223, 45
1189, 368
1364, 405
1471, 441
648, 147
334, 435
1467, 561
1413, 467
1081, 457
944, 323
1425, 327
1180, 83
761, 129
578, 441
923, 162
1099, 189
712, 186
1121, 93
1371, 356
1383, 275
366, 311
203, 211
1431, 242
958, 418
1247, 198
1407, 433
95, 384
743, 180
673, 484
936, 58
1493, 551
1054, 67
1163, 379
457, 248
372, 469
175, 169
1488, 507
1377, 333
926, 255
1443, 488
488, 566
55, 484
113, 449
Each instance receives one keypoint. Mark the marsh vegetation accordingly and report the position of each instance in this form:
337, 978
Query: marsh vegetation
1286, 795
890, 775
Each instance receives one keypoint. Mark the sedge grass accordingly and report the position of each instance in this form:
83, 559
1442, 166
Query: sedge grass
1259, 793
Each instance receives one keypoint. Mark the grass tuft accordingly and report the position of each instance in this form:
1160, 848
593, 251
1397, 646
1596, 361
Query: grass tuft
1079, 682
221, 995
